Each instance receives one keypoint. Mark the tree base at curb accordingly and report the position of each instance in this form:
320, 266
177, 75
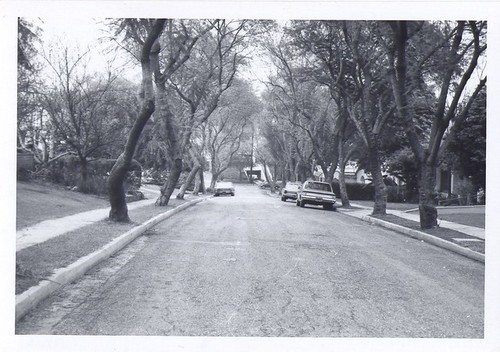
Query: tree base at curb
428, 216
119, 216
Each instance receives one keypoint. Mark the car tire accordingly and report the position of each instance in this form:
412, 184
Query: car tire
328, 206
283, 199
302, 203
232, 194
297, 202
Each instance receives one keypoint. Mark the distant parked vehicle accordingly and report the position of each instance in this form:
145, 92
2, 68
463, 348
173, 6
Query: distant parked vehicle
224, 188
290, 191
316, 193
267, 185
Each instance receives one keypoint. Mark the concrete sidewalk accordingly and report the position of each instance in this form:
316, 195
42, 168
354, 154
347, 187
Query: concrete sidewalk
45, 230
48, 229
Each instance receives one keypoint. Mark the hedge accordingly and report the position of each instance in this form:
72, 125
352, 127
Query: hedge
360, 191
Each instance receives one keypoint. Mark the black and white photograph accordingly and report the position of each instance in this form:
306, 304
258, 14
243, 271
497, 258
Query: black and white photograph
250, 176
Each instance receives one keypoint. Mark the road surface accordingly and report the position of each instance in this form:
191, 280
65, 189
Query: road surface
251, 265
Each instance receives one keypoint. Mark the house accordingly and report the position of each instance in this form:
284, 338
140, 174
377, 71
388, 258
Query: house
452, 187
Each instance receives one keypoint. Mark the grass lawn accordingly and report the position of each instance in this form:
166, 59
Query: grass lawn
470, 216
38, 201
476, 220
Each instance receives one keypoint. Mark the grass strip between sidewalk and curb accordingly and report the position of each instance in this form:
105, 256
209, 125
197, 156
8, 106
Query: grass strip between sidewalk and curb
438, 236
48, 266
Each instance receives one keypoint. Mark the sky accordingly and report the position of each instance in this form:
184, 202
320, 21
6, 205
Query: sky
87, 35
89, 31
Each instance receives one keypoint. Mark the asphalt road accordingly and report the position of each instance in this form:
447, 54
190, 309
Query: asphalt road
251, 265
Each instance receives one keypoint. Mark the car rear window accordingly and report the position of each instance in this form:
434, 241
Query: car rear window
318, 186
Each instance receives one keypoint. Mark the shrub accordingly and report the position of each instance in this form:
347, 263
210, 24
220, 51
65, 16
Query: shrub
154, 176
67, 171
23, 174
360, 191
356, 191
395, 194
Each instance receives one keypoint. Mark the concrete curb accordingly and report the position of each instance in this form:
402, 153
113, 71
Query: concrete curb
425, 237
31, 297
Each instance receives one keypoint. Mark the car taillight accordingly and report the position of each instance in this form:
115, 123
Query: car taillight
284, 191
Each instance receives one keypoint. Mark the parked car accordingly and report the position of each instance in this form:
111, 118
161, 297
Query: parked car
224, 188
267, 185
317, 193
290, 191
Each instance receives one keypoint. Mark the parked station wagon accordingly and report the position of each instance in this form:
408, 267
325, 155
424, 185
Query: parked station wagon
317, 193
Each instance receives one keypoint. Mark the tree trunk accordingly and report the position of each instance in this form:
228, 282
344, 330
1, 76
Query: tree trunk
269, 178
200, 182
168, 188
324, 169
174, 146
427, 202
291, 173
189, 179
296, 173
215, 176
83, 185
343, 189
240, 171
116, 189
380, 196
333, 168
197, 183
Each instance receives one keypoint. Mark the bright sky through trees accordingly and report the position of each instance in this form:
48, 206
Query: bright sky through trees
89, 35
